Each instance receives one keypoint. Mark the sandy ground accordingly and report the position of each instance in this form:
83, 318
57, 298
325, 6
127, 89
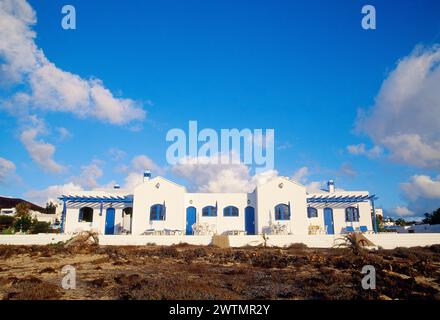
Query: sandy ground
192, 272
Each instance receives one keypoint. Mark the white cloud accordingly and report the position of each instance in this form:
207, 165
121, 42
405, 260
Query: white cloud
135, 172
301, 175
347, 170
215, 174
360, 149
48, 87
316, 186
403, 211
40, 151
404, 118
421, 194
116, 154
422, 186
89, 175
7, 168
63, 133
52, 193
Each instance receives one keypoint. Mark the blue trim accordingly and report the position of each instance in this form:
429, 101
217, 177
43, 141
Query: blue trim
312, 212
191, 217
282, 211
209, 211
230, 211
329, 220
157, 212
249, 218
335, 199
103, 199
63, 216
374, 216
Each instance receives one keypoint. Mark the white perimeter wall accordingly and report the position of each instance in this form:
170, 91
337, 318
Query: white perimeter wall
386, 241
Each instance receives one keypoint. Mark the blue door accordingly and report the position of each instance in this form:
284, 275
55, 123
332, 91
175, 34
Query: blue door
110, 221
328, 220
190, 219
249, 214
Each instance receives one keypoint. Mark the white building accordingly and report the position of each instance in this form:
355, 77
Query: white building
160, 206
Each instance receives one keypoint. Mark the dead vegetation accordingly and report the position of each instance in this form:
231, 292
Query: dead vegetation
195, 272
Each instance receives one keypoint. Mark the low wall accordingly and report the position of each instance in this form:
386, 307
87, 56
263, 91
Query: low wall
391, 241
127, 240
33, 239
384, 240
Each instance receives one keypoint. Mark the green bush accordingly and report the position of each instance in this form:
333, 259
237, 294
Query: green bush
39, 227
6, 222
9, 230
23, 223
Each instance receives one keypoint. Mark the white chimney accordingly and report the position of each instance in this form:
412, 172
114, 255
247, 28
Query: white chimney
116, 186
147, 175
331, 186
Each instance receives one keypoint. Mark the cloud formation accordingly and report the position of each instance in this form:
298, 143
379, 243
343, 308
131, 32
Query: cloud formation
402, 211
360, 149
404, 117
215, 174
51, 193
7, 168
40, 151
90, 175
48, 87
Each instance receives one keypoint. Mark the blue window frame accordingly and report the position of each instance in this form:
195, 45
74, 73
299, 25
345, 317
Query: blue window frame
312, 212
230, 211
282, 212
209, 211
157, 212
85, 214
351, 214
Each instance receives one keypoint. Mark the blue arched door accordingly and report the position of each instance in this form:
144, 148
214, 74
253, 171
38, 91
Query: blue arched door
249, 220
110, 221
190, 219
328, 220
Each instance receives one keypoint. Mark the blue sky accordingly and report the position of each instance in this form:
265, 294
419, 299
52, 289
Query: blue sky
302, 68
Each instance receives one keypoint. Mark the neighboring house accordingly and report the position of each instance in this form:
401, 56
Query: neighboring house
160, 204
7, 207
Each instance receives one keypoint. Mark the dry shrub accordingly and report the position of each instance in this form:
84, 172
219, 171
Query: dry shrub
31, 288
270, 260
97, 283
48, 270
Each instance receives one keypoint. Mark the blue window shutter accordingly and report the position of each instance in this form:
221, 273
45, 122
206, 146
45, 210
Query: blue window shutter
80, 215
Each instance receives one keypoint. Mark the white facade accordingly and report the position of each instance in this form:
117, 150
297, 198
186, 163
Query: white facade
159, 205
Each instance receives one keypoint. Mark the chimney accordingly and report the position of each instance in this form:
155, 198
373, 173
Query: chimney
331, 186
116, 186
147, 175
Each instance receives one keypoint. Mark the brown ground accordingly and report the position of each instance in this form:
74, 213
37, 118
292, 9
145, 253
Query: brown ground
191, 272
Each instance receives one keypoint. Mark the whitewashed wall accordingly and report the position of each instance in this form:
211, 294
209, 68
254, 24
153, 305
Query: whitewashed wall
33, 239
270, 194
158, 191
222, 223
125, 240
386, 241
72, 225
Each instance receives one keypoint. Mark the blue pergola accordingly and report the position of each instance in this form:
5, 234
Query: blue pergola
91, 199
340, 199
343, 199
